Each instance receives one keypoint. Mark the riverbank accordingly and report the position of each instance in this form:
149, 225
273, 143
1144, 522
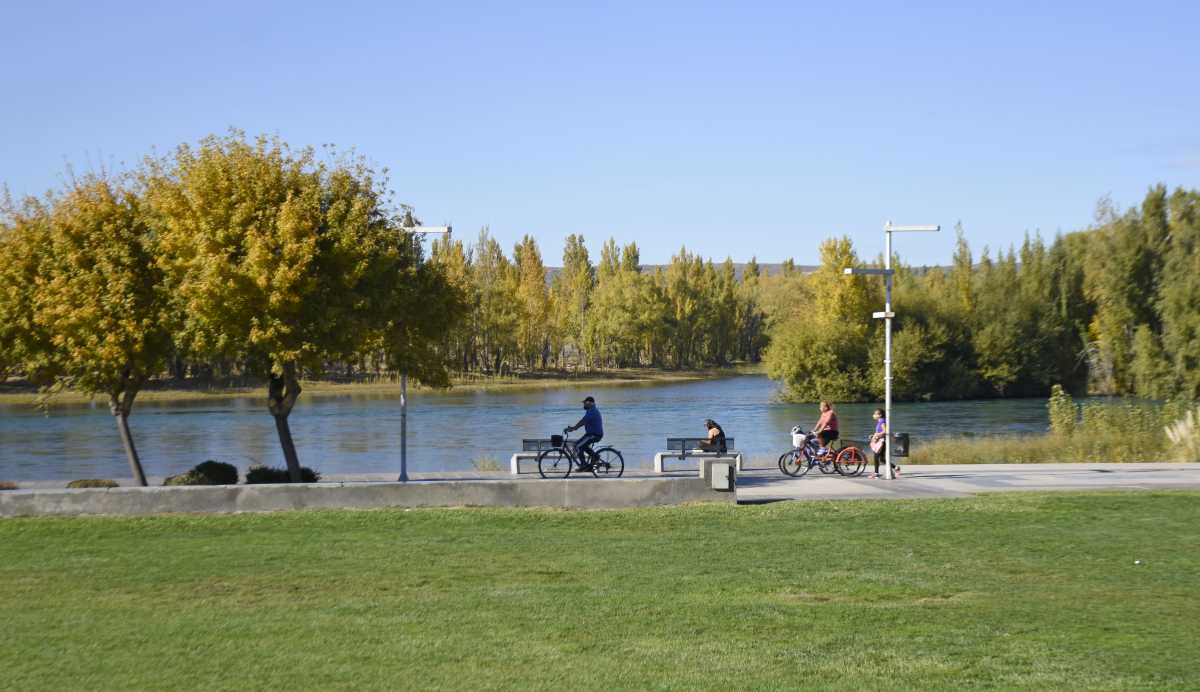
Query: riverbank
1018, 590
1125, 446
21, 393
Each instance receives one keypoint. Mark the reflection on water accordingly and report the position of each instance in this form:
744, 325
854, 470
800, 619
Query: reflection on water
448, 431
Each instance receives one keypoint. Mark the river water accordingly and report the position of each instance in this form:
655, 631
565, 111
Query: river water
455, 430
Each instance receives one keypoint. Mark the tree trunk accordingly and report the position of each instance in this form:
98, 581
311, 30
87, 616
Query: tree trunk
289, 447
131, 454
120, 403
282, 392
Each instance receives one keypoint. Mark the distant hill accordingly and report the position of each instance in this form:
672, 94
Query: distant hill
738, 268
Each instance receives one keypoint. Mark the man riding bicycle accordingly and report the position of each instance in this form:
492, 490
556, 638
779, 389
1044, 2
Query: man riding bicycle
593, 431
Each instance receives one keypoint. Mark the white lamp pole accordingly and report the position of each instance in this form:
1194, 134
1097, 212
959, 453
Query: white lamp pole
415, 231
887, 315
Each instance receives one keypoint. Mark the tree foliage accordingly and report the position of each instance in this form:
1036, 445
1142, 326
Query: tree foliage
1111, 310
83, 302
287, 261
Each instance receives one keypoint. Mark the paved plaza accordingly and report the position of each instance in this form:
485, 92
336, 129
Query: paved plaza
959, 480
760, 484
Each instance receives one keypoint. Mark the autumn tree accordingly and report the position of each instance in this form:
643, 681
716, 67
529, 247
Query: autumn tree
820, 350
24, 230
1178, 301
533, 302
498, 314
94, 315
276, 256
572, 294
453, 260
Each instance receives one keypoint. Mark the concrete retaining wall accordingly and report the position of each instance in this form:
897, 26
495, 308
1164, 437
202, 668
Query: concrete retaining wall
577, 494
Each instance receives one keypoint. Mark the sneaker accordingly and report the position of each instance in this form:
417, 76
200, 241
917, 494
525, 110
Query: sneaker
822, 451
873, 477
896, 471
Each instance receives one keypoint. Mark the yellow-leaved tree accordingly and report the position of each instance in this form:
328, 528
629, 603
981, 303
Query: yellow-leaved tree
92, 314
819, 349
279, 257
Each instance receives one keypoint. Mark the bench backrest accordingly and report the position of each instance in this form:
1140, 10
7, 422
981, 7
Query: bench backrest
680, 444
535, 445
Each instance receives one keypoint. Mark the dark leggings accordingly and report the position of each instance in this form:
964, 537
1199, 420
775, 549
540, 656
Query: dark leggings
879, 458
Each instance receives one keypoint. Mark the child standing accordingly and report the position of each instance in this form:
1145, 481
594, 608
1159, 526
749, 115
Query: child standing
879, 442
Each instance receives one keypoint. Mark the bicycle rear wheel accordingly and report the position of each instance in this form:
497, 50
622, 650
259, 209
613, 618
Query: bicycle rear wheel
850, 461
610, 464
794, 463
555, 463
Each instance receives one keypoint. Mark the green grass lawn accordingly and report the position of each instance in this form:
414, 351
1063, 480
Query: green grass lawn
1003, 591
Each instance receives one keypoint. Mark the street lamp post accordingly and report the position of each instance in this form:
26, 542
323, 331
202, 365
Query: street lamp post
887, 315
415, 231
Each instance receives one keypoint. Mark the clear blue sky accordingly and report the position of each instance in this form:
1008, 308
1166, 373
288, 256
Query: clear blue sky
737, 129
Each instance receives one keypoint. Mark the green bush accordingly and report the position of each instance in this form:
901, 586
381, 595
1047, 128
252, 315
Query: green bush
208, 473
93, 483
269, 474
218, 472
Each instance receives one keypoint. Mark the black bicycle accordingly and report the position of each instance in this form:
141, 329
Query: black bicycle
564, 456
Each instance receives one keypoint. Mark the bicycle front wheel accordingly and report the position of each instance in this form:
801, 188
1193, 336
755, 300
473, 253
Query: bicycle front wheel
555, 463
850, 461
794, 463
610, 463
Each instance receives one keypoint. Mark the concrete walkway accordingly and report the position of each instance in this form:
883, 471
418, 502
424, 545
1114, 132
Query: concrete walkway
960, 480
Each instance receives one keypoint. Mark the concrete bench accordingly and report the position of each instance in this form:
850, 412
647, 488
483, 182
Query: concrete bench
530, 449
683, 448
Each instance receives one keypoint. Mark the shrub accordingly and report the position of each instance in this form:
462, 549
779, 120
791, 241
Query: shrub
7, 485
1185, 436
93, 483
218, 472
208, 473
269, 474
1062, 411
486, 464
186, 478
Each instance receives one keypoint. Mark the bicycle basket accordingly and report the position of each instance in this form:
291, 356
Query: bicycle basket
556, 440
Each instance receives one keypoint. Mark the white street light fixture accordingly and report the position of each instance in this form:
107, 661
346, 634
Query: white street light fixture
416, 232
887, 316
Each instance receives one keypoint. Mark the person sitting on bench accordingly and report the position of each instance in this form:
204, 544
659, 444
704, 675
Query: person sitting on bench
715, 441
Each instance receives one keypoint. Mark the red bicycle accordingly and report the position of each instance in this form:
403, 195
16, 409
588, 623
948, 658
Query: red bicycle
848, 461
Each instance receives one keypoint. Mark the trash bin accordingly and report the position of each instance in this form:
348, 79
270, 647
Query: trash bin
900, 444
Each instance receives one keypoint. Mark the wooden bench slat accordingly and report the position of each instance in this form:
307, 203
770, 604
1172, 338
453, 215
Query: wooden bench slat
690, 445
691, 442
